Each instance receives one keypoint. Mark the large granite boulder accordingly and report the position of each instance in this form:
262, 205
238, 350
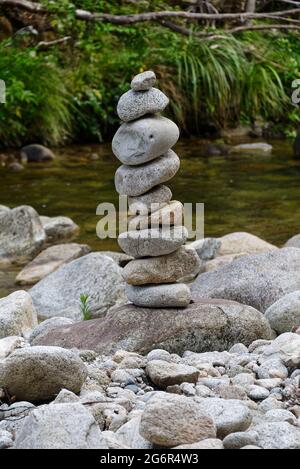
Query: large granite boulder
37, 374
206, 325
17, 315
60, 426
257, 280
94, 275
22, 235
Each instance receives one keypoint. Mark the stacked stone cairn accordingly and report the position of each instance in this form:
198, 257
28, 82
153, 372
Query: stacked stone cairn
156, 236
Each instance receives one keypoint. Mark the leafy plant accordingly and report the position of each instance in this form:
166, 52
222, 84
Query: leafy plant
84, 307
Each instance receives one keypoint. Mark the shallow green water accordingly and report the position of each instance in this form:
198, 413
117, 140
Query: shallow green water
259, 194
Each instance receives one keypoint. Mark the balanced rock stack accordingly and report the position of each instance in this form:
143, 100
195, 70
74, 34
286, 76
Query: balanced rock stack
156, 235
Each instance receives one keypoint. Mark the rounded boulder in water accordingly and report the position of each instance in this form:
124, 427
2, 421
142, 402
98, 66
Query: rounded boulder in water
144, 140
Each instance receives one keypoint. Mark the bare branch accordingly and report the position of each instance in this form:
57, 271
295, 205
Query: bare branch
43, 45
151, 16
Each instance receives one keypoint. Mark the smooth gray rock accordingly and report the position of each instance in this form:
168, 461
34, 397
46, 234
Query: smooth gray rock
129, 435
95, 275
36, 153
284, 315
240, 439
17, 315
9, 344
165, 374
168, 216
153, 242
164, 269
258, 393
272, 368
210, 443
3, 208
177, 295
6, 439
277, 435
60, 426
21, 235
257, 280
45, 326
170, 420
59, 229
118, 257
207, 248
280, 415
156, 198
293, 242
50, 260
143, 81
229, 415
135, 104
206, 325
260, 147
39, 373
135, 181
144, 140
285, 348
241, 242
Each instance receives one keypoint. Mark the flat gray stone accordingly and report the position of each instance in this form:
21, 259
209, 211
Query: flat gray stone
144, 140
164, 269
257, 280
143, 81
250, 148
164, 374
135, 181
153, 242
206, 325
284, 315
135, 104
50, 260
39, 373
59, 229
60, 426
95, 275
175, 295
21, 235
166, 217
240, 440
17, 315
159, 195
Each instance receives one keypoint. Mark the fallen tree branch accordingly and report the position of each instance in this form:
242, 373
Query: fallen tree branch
85, 15
261, 27
43, 45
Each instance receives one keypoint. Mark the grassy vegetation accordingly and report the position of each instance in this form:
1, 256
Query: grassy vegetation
70, 93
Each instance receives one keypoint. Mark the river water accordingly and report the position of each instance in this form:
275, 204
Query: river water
259, 194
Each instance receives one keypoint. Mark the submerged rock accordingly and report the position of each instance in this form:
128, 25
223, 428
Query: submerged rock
36, 153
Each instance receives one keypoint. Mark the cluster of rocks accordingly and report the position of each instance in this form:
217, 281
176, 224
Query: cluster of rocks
247, 397
156, 236
23, 233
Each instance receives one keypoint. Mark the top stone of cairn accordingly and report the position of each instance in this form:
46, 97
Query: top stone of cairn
144, 81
